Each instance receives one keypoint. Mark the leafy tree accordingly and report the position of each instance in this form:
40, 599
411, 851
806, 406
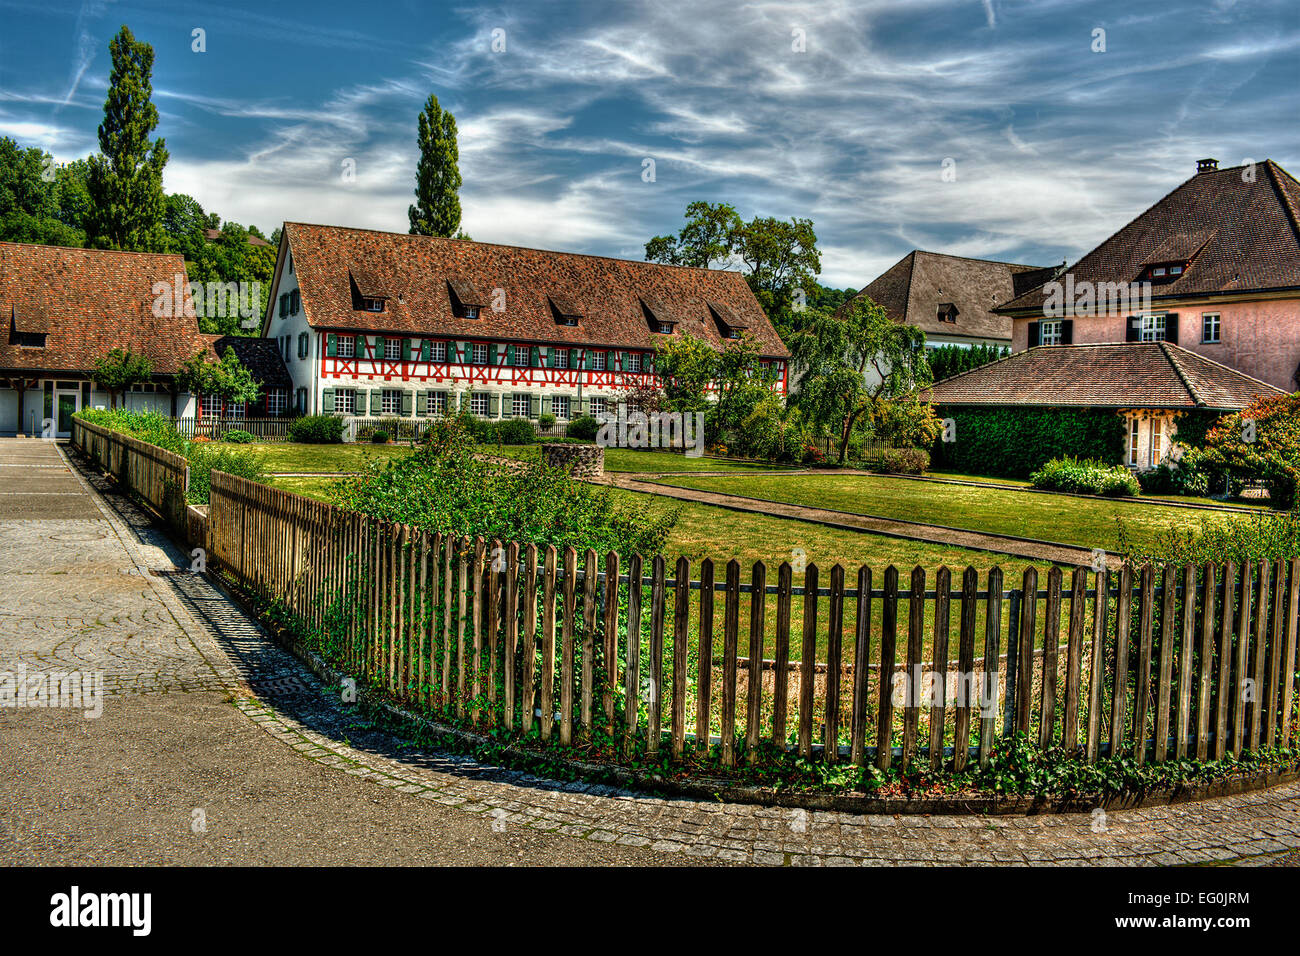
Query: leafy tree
40, 202
125, 179
687, 367
1259, 443
437, 175
119, 370
906, 422
777, 256
228, 378
851, 363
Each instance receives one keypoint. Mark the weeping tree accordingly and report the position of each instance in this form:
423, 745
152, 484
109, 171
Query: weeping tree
849, 364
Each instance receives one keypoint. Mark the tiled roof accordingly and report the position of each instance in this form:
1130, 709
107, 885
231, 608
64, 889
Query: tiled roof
913, 289
1119, 375
417, 272
260, 356
89, 301
1241, 233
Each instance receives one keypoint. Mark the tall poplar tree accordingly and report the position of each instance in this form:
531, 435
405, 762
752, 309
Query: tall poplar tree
437, 176
124, 180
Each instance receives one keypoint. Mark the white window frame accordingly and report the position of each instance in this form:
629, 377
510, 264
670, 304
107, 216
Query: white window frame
597, 363
1050, 332
345, 401
559, 358
1152, 327
521, 405
437, 351
478, 404
210, 406
1133, 432
559, 402
633, 362
478, 354
435, 403
665, 328
599, 407
392, 349
1211, 320
235, 410
390, 402
1156, 445
346, 346
277, 399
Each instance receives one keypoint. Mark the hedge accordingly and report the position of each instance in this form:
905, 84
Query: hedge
1015, 442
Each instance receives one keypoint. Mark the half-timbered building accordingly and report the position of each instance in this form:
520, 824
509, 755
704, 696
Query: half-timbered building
377, 324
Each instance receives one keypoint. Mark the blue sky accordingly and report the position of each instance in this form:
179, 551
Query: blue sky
1055, 146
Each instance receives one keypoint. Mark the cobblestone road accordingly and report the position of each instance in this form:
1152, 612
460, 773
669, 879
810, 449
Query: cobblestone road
204, 712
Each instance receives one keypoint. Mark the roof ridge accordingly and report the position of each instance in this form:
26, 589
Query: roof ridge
1235, 371
115, 252
1000, 262
503, 245
1182, 376
1292, 213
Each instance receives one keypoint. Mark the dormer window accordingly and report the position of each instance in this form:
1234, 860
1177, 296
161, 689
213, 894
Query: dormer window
466, 300
664, 328
565, 310
371, 304
1164, 271
948, 312
730, 324
661, 320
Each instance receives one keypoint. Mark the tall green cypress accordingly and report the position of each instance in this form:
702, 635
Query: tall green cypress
124, 180
437, 176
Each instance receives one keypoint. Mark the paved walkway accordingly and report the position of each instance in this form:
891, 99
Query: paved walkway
217, 747
1029, 548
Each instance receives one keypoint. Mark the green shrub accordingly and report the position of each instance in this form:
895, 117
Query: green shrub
1086, 476
898, 461
444, 487
584, 427
1185, 478
151, 427
1015, 442
546, 420
379, 437
1239, 538
237, 436
205, 458
317, 430
516, 431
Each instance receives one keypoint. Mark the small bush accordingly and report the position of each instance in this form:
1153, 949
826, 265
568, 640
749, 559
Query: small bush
317, 430
516, 431
237, 436
1086, 476
1183, 479
899, 461
584, 427
546, 420
379, 437
205, 459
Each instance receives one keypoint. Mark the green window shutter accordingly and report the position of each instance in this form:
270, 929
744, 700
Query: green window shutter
359, 346
534, 405
332, 345
284, 305
546, 404
406, 349
426, 349
492, 354
535, 358
510, 355
464, 398
421, 404
376, 402
327, 401
406, 402
494, 405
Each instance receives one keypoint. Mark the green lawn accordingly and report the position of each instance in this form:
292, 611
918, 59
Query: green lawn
645, 462
324, 459
1086, 522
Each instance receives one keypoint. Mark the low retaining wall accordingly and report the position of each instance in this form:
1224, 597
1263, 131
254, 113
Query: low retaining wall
585, 461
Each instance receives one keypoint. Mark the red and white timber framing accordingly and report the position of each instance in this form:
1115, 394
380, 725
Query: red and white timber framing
372, 367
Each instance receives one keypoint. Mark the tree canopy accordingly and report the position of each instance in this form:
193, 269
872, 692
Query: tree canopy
436, 211
119, 370
125, 178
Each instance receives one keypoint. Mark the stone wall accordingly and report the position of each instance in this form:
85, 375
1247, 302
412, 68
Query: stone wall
585, 461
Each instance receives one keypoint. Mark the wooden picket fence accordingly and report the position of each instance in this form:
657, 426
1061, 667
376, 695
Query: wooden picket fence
581, 648
161, 478
263, 429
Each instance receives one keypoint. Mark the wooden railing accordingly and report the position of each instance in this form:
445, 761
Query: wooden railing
263, 429
1157, 663
160, 478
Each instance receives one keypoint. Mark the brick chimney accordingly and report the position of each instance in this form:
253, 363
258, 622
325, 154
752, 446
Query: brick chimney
1206, 165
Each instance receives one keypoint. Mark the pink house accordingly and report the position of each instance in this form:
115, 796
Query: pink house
1213, 267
